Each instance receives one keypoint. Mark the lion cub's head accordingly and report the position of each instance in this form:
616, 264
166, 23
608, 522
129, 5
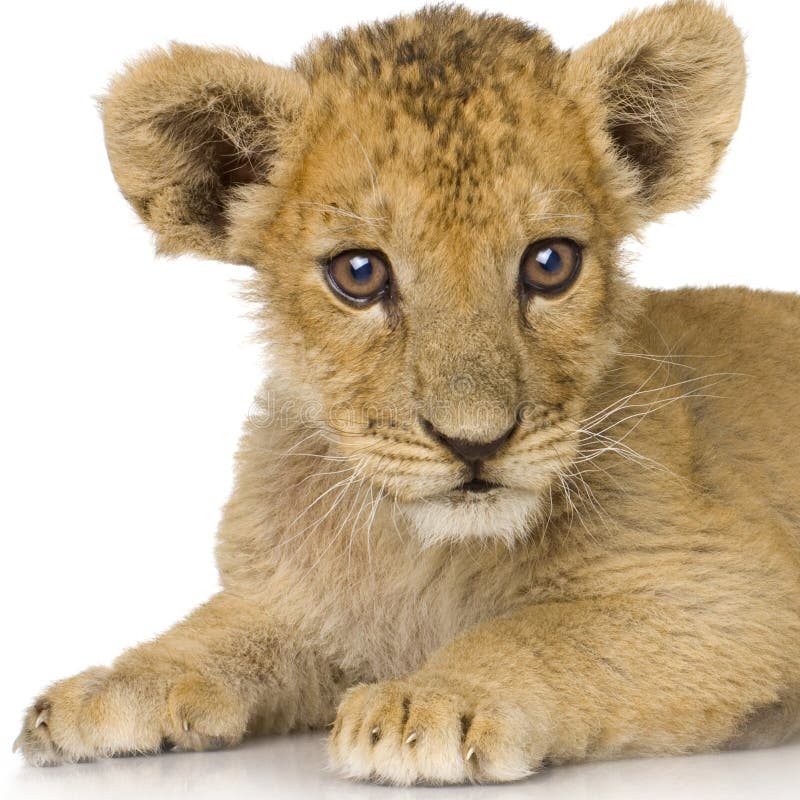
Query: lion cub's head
433, 207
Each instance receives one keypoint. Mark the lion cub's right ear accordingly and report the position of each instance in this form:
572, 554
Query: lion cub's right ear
190, 131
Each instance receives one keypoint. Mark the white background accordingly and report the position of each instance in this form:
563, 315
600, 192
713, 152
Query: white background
125, 378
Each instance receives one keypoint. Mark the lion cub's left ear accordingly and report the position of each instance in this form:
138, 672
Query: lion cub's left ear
190, 131
664, 89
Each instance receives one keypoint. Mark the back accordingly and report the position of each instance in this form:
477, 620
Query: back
743, 346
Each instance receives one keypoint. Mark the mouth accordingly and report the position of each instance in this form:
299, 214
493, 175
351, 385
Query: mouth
477, 486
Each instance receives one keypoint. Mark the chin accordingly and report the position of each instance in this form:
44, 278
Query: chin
501, 513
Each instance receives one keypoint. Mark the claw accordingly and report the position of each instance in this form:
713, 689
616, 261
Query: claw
17, 744
375, 733
44, 714
470, 753
412, 738
186, 725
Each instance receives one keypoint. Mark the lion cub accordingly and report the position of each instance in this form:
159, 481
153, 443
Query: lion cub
499, 507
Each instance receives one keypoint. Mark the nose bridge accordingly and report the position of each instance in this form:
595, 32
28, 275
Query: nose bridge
467, 377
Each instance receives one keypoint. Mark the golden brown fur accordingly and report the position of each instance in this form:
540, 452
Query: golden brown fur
635, 586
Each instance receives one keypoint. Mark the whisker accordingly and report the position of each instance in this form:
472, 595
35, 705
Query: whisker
657, 405
338, 485
625, 401
333, 540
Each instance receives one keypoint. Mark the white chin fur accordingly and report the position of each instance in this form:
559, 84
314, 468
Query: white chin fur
506, 514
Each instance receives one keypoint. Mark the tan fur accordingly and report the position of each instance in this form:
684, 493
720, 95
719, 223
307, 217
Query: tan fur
635, 588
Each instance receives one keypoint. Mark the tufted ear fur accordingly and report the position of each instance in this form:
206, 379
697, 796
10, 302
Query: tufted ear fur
664, 90
190, 131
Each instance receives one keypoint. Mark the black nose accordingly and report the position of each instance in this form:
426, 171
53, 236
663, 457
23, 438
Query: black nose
467, 450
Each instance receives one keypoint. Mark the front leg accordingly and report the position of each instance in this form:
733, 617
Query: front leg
203, 684
569, 681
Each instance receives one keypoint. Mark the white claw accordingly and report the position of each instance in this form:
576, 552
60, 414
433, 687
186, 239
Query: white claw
186, 725
412, 738
17, 744
470, 753
376, 730
43, 717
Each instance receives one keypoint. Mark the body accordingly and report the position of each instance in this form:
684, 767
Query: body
686, 542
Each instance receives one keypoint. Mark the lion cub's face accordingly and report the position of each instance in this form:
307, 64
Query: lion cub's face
434, 207
437, 185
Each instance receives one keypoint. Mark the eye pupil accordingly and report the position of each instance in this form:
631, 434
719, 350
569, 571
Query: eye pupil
360, 268
549, 259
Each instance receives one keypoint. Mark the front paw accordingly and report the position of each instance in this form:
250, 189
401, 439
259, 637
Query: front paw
432, 731
52, 727
101, 712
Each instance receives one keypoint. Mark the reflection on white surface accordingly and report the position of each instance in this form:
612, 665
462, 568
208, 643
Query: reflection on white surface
293, 767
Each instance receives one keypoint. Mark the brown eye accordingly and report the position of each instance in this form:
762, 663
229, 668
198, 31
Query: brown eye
359, 276
550, 266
